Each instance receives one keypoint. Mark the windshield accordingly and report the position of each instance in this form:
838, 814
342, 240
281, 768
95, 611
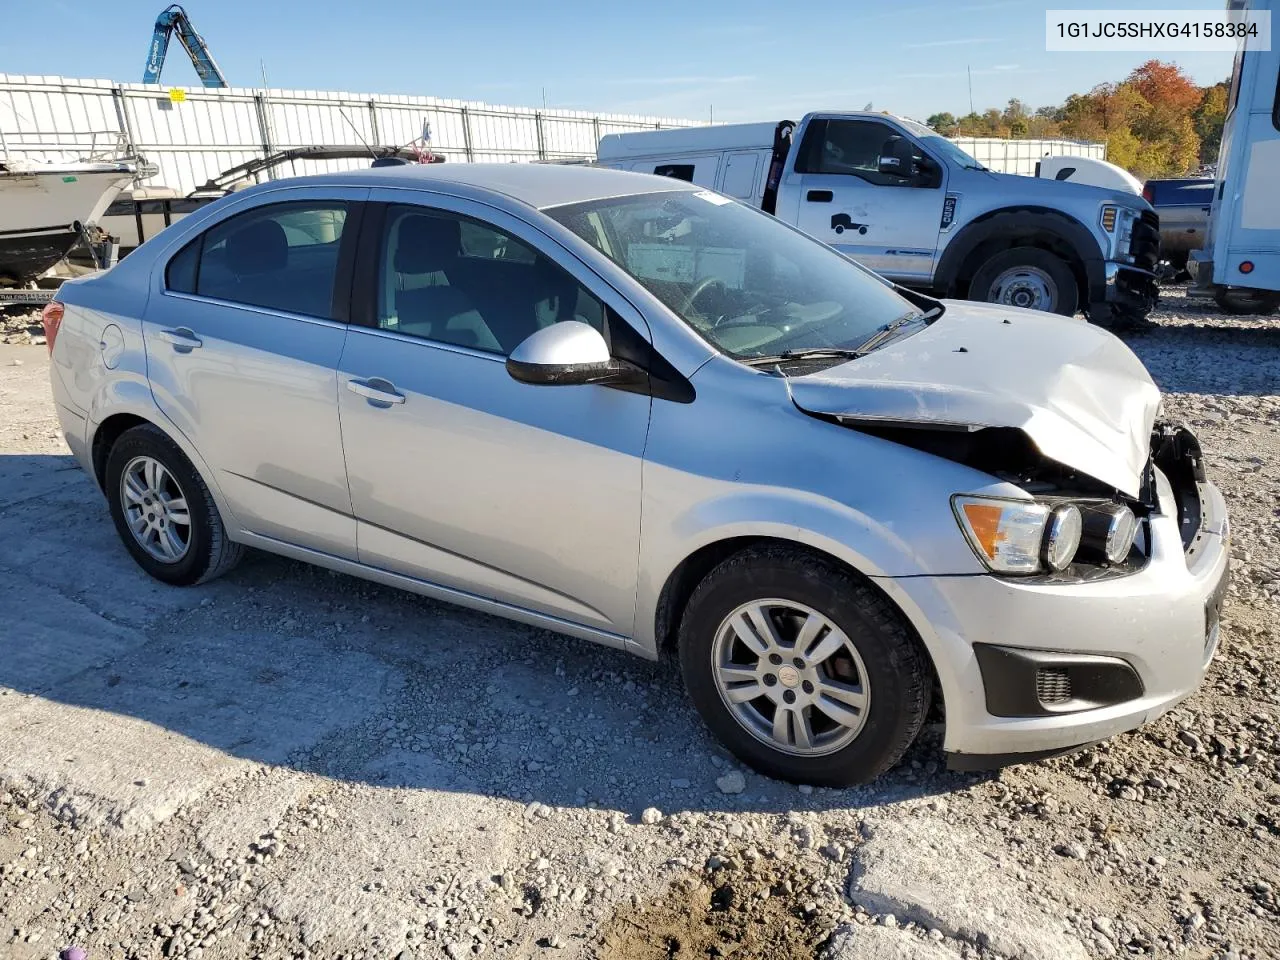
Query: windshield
748, 284
940, 144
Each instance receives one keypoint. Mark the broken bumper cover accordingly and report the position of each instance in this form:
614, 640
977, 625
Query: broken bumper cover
1156, 631
1130, 288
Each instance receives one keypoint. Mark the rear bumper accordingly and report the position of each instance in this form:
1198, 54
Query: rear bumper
1159, 623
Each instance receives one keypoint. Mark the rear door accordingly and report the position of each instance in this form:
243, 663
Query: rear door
243, 333
744, 175
887, 222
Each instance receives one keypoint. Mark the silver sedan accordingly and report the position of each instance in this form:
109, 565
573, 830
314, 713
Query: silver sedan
628, 409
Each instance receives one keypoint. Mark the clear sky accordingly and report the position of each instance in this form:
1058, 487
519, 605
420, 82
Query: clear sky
747, 59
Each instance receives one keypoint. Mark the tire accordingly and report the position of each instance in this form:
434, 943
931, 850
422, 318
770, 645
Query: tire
1245, 301
1037, 276
882, 658
159, 476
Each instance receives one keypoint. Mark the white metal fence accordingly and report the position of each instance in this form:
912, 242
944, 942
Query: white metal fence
1020, 156
197, 133
193, 134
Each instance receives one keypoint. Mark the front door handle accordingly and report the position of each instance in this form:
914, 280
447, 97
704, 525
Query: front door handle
376, 389
183, 338
819, 196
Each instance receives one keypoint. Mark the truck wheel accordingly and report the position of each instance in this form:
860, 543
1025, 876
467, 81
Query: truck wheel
1243, 301
801, 668
1026, 277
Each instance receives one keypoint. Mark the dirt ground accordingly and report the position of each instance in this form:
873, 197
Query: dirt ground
292, 763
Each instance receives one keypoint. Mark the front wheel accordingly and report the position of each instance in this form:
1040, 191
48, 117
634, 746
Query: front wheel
802, 669
1027, 277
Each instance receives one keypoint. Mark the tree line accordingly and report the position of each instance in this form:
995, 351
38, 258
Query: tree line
1156, 123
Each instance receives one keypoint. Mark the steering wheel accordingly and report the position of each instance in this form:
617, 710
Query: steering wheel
702, 286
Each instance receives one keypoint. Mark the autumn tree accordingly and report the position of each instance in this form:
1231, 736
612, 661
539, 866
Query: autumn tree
1209, 118
1155, 122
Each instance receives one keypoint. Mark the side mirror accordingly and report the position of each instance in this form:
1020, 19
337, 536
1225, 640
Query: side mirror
567, 353
897, 157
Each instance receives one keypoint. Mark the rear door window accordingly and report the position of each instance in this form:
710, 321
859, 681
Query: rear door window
282, 257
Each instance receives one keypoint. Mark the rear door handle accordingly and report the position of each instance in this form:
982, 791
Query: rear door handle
376, 389
819, 196
182, 338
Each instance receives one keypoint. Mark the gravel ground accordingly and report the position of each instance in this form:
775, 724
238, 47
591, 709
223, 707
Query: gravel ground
291, 763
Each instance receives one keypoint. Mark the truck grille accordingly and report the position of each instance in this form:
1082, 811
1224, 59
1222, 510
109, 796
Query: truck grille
1053, 685
1144, 245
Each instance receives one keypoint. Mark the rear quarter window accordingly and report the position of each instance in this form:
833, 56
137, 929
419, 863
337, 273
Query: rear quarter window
180, 275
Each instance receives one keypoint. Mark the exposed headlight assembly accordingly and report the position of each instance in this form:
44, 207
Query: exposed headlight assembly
1027, 536
1118, 221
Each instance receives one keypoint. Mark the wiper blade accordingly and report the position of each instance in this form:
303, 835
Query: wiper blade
886, 332
813, 353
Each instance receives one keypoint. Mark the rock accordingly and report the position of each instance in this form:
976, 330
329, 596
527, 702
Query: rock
732, 782
855, 942
936, 875
1074, 850
650, 816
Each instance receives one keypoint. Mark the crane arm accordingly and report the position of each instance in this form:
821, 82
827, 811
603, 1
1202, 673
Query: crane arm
171, 19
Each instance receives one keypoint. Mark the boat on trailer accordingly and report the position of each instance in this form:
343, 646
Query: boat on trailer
46, 208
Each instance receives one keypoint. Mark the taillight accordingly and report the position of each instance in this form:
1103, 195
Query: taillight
51, 317
1148, 194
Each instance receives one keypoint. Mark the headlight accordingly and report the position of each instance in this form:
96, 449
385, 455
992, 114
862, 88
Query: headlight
1005, 534
1120, 534
1062, 536
1109, 532
1020, 536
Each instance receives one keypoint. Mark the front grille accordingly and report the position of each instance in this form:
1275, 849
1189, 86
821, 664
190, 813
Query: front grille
1053, 685
1144, 245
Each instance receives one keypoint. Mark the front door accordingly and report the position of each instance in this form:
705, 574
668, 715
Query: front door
887, 222
243, 333
459, 474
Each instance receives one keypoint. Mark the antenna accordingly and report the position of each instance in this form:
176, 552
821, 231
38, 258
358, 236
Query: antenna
970, 69
364, 143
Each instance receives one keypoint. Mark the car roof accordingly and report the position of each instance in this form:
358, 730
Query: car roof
540, 185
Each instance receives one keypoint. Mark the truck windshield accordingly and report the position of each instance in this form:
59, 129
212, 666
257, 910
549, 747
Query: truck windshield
940, 144
748, 284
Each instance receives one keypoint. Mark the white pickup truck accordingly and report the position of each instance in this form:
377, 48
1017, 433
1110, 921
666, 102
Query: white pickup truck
911, 205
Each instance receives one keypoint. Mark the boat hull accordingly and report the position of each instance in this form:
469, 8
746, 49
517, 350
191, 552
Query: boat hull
26, 255
41, 208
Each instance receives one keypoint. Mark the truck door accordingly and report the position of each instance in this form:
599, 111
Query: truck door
888, 222
742, 175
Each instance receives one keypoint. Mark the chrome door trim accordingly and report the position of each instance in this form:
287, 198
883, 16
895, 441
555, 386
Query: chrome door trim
251, 308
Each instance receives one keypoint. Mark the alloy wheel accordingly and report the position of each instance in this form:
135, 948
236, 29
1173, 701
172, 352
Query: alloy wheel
791, 677
155, 509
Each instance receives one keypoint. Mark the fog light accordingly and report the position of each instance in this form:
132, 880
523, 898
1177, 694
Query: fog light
1121, 530
1062, 536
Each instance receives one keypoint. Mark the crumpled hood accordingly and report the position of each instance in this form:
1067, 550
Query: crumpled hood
1078, 392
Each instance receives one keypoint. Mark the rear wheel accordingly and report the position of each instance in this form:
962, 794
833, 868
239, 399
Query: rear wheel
1026, 277
163, 511
1244, 301
802, 669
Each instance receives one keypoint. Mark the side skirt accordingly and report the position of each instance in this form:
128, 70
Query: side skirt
435, 591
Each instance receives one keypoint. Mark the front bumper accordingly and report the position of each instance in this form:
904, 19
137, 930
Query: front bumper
1160, 621
1129, 287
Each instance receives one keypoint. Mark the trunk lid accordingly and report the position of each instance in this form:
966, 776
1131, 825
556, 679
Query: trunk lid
1081, 396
